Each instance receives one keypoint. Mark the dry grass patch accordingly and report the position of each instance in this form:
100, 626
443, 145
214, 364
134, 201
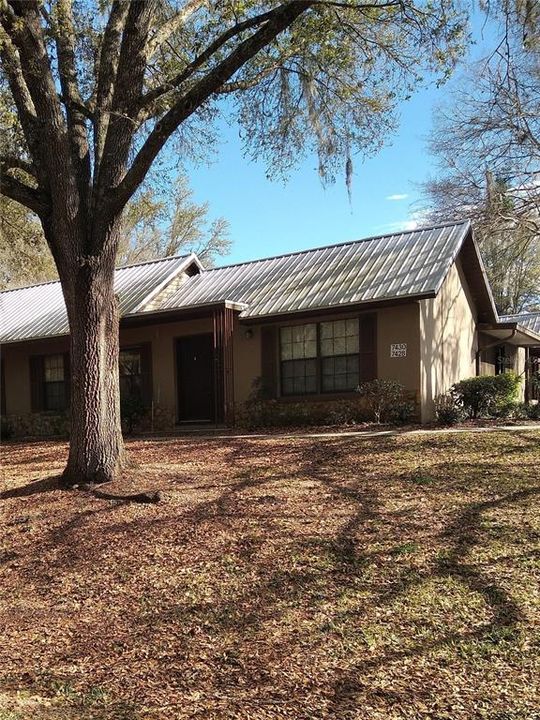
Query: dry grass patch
300, 578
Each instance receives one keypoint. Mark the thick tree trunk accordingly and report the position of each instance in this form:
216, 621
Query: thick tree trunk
96, 452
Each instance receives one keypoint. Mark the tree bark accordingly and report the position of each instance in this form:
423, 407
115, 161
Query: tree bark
96, 452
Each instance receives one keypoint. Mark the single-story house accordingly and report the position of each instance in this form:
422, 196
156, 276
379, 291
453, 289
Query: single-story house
413, 306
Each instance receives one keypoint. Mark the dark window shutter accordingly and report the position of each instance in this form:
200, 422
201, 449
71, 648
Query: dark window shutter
37, 383
269, 375
368, 347
67, 380
146, 374
3, 386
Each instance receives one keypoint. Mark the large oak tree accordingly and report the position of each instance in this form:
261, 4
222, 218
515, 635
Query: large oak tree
99, 87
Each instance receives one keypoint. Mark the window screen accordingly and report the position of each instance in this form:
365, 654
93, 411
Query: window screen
130, 366
320, 358
298, 349
339, 347
55, 389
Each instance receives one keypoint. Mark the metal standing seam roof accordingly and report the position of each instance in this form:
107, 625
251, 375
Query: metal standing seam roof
39, 311
531, 321
385, 267
400, 265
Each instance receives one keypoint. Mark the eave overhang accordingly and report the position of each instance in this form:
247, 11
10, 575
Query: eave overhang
512, 333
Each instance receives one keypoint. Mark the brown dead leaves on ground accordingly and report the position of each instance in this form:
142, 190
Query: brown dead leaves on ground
280, 578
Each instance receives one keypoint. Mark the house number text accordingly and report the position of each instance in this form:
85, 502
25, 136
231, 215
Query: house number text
398, 350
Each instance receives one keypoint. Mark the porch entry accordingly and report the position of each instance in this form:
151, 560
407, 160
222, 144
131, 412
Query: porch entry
196, 378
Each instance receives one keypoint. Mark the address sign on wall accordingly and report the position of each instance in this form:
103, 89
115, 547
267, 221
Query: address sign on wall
398, 350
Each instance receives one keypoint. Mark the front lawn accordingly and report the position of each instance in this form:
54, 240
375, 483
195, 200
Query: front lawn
340, 578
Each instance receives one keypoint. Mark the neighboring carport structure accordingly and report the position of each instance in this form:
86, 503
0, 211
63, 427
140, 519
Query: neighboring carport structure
521, 331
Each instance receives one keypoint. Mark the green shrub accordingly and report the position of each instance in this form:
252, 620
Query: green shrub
528, 411
447, 409
259, 411
487, 395
385, 399
273, 413
404, 412
6, 429
132, 411
505, 409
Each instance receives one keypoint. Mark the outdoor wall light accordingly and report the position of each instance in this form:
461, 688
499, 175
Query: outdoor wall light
248, 334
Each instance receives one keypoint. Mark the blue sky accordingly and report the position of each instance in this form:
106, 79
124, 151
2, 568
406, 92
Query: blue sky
269, 218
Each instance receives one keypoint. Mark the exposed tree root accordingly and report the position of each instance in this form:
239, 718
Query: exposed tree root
143, 497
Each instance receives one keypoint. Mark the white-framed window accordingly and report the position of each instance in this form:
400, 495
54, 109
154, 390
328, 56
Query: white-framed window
298, 351
339, 348
130, 367
54, 396
320, 357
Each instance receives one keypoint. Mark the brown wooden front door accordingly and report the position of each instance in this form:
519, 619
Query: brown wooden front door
195, 378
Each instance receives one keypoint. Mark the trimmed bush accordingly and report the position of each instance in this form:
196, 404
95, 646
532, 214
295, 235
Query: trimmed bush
528, 411
6, 429
447, 409
386, 400
132, 411
487, 395
273, 413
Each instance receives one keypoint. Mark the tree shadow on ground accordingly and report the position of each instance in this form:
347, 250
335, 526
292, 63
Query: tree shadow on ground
35, 487
463, 534
270, 591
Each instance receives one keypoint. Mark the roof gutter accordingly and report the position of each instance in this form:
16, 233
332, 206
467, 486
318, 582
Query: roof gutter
362, 306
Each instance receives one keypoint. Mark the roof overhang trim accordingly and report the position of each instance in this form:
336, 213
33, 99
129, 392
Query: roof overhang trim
333, 309
522, 336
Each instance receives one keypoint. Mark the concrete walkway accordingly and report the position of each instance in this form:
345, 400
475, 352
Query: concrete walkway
361, 434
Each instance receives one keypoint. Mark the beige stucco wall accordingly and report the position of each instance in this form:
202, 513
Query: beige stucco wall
163, 336
247, 361
488, 360
17, 371
448, 339
399, 324
396, 324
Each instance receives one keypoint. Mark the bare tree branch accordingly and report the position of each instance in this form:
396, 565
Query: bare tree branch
53, 159
170, 26
19, 90
65, 43
278, 20
152, 95
10, 162
106, 76
15, 189
128, 88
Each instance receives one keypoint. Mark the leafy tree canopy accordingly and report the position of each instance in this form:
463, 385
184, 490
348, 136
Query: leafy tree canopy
329, 81
155, 224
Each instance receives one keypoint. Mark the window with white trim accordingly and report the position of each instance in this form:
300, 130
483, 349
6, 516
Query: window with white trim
54, 394
339, 347
130, 367
298, 349
320, 357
